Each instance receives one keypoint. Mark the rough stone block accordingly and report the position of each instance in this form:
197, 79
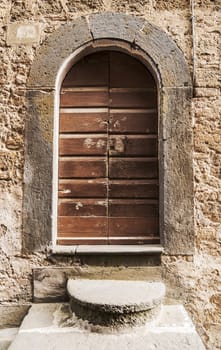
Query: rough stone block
12, 315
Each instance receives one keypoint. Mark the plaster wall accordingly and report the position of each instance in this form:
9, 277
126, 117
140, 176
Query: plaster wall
194, 279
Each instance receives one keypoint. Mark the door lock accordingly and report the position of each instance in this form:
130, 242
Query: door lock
117, 144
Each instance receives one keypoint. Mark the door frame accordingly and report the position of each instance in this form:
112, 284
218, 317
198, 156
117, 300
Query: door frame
164, 59
99, 45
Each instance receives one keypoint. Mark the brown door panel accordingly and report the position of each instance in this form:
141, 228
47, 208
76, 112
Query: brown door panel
108, 186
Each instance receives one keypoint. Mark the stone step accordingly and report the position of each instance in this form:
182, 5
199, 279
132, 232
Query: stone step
115, 302
54, 326
49, 283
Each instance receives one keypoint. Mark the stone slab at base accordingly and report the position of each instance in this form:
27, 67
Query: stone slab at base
52, 326
7, 335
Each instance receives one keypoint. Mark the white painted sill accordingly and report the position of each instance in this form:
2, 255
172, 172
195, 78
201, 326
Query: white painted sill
107, 249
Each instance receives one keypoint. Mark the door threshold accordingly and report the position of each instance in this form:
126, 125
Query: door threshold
107, 249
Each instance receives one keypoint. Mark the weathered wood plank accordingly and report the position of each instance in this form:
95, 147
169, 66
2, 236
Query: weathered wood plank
133, 99
82, 207
132, 208
133, 189
69, 226
129, 145
74, 121
82, 144
82, 167
132, 226
84, 98
130, 121
93, 188
133, 168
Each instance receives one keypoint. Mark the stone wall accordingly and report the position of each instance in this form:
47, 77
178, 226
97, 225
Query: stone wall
195, 279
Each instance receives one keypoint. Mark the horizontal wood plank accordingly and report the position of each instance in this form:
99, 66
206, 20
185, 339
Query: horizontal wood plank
82, 145
133, 189
133, 168
82, 207
84, 98
92, 167
129, 121
83, 122
68, 226
93, 188
133, 99
138, 145
132, 207
132, 226
115, 208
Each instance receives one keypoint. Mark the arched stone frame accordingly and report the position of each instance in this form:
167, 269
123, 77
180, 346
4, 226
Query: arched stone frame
166, 61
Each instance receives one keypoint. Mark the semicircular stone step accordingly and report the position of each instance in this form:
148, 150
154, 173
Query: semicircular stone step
114, 302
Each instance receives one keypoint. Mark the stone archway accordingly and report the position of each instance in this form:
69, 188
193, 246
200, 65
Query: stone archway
157, 50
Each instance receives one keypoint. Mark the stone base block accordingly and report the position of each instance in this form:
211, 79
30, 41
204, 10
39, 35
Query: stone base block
7, 335
53, 326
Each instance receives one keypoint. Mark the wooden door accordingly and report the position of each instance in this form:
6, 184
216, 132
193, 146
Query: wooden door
108, 153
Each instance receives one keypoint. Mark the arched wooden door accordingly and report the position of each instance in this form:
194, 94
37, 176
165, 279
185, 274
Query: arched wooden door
108, 153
